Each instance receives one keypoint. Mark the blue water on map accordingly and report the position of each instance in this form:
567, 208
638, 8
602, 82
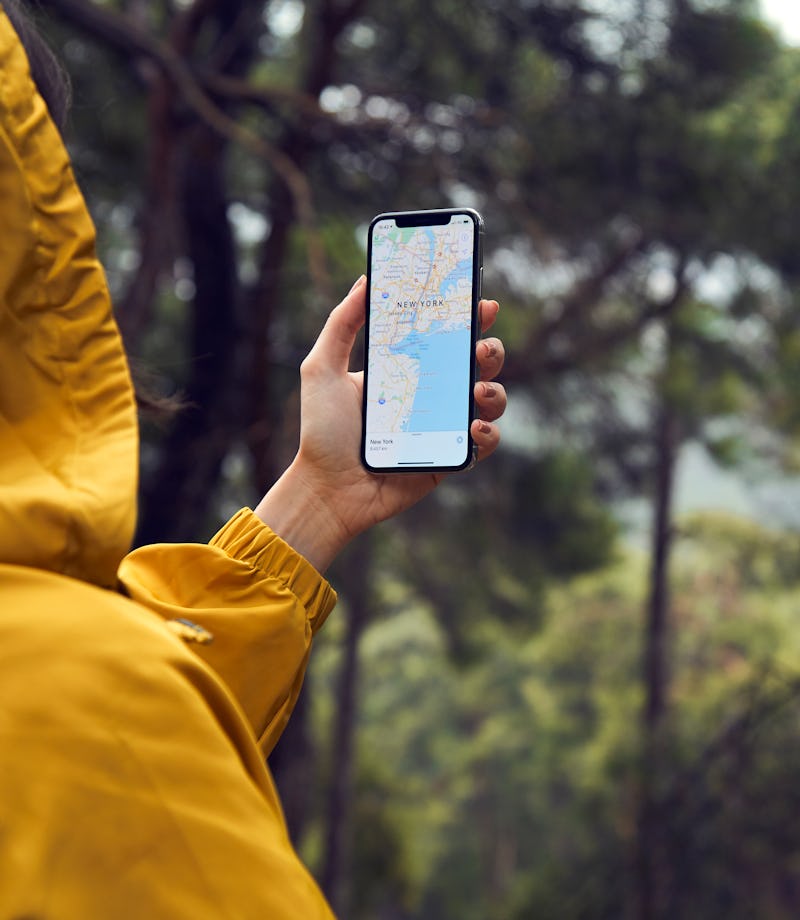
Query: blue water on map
441, 402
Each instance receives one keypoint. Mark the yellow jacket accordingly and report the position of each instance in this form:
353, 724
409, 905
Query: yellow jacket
132, 774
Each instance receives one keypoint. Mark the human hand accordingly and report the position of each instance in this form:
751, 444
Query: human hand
326, 497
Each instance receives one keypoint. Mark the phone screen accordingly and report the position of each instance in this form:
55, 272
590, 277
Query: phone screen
424, 280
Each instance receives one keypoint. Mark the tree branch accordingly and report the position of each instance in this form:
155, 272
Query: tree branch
533, 358
125, 36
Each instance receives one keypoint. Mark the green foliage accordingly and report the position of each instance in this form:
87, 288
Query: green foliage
556, 515
509, 789
762, 559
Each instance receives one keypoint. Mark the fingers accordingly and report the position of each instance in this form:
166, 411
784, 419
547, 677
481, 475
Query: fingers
331, 351
491, 400
490, 396
486, 437
487, 311
491, 354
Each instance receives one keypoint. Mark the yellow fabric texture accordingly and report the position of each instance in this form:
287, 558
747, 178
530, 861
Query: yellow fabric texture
67, 417
132, 783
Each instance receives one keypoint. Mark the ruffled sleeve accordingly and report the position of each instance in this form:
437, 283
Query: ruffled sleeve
250, 603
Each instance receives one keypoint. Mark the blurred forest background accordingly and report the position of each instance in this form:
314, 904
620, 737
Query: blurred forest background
547, 691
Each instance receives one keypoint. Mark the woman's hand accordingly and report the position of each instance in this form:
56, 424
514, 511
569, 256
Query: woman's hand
326, 497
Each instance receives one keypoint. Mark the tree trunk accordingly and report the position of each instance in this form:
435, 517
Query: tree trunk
297, 145
357, 574
175, 496
651, 857
175, 499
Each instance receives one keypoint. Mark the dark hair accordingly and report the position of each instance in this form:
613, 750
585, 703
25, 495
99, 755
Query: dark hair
48, 74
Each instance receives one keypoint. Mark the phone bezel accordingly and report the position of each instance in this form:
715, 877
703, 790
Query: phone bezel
427, 218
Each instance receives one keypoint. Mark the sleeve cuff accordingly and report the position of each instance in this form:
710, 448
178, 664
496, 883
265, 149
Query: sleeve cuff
248, 539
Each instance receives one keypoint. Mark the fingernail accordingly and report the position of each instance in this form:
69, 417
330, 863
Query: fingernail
484, 427
491, 349
358, 281
488, 390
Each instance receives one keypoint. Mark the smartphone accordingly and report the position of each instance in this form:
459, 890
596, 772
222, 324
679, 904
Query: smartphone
424, 272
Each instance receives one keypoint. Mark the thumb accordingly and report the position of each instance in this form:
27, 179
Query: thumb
334, 344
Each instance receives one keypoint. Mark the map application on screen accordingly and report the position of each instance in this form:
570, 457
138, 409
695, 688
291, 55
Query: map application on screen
419, 367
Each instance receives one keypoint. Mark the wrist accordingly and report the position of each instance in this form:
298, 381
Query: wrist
299, 514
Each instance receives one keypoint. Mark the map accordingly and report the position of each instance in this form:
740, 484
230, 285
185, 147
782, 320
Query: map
419, 334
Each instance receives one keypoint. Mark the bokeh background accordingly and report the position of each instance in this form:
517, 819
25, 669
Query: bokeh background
568, 684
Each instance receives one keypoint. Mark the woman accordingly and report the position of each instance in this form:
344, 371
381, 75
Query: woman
132, 755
